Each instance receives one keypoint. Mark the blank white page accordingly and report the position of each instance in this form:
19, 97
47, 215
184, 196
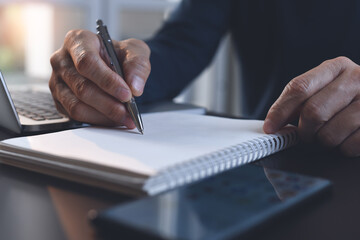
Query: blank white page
169, 138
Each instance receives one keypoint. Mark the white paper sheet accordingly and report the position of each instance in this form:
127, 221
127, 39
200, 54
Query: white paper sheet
169, 138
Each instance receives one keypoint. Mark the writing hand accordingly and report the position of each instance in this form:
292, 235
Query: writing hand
326, 100
86, 89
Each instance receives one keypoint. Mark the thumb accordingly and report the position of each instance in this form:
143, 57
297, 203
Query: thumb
134, 56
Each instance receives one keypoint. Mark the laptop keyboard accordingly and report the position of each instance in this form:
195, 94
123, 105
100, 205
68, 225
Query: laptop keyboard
36, 105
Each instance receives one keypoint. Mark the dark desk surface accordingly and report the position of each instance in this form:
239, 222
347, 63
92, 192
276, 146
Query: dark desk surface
35, 206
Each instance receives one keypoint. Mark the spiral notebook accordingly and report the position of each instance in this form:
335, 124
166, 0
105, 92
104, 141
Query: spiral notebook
176, 149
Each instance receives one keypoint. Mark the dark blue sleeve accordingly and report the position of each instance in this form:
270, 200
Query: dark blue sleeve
184, 46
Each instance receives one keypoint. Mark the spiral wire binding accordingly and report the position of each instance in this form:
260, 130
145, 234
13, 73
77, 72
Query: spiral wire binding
219, 161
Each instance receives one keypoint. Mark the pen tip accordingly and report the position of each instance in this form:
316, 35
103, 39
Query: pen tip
142, 132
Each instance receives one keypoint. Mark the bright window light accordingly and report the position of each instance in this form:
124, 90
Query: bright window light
39, 40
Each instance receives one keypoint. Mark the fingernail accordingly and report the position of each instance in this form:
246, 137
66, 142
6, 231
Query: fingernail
138, 84
123, 94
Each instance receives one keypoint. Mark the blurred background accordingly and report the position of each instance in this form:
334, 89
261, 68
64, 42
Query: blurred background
31, 30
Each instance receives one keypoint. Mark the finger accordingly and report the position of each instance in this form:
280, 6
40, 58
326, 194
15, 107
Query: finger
135, 56
59, 107
341, 126
52, 86
300, 89
92, 95
88, 62
325, 104
350, 147
76, 109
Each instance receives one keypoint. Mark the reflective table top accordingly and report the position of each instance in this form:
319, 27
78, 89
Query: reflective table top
36, 206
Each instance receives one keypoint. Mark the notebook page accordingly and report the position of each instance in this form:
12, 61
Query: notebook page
169, 138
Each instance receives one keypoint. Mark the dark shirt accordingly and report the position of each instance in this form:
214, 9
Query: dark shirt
276, 40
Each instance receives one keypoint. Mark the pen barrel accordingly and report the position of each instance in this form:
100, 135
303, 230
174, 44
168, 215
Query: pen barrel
106, 39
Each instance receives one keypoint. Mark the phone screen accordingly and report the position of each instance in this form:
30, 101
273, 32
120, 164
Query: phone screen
218, 207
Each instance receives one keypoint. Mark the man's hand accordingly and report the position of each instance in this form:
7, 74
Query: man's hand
86, 89
326, 100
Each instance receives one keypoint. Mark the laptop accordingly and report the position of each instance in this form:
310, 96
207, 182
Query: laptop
30, 111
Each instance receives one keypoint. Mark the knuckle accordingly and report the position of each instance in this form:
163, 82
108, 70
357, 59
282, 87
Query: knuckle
55, 86
355, 75
70, 35
59, 62
312, 112
80, 34
84, 62
59, 108
54, 60
342, 60
73, 109
333, 65
140, 63
298, 86
138, 43
81, 88
75, 34
69, 74
52, 84
337, 63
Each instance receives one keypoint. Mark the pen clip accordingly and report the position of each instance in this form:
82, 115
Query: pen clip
106, 39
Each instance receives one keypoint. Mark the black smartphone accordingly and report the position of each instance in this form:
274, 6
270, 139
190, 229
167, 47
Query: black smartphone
219, 207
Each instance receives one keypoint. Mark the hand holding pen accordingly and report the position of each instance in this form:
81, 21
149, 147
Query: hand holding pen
131, 104
85, 87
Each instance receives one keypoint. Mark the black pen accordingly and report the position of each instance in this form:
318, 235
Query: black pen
130, 105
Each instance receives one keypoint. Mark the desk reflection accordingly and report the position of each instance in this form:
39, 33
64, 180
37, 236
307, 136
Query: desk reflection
35, 206
215, 208
72, 209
